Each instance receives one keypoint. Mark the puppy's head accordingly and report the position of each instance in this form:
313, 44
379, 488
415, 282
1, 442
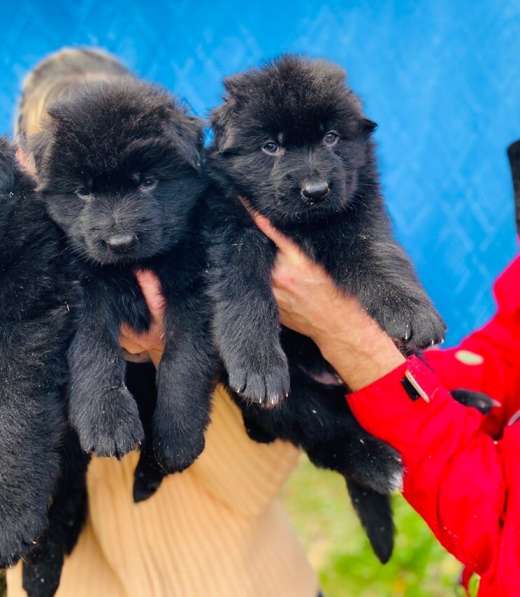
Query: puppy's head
292, 137
118, 166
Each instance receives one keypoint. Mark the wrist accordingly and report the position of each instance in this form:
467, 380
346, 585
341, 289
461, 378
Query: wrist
360, 355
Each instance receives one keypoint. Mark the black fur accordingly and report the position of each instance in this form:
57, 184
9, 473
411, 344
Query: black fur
513, 153
283, 132
37, 300
140, 379
42, 566
119, 169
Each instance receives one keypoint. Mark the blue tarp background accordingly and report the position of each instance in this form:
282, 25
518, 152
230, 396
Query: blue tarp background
440, 77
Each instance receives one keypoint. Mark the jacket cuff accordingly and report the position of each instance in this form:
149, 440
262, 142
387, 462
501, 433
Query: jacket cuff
395, 407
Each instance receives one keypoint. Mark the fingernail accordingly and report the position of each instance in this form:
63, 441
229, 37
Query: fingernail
514, 418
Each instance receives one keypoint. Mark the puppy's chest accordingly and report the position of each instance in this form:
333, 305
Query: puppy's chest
331, 250
115, 297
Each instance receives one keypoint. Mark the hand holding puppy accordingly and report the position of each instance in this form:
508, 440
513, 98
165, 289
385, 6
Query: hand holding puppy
152, 341
311, 304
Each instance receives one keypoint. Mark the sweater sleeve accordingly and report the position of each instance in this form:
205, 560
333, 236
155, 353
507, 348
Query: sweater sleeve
452, 469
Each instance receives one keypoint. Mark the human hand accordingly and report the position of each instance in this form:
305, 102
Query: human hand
150, 343
310, 303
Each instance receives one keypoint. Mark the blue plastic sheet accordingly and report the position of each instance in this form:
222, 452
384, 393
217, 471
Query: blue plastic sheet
441, 78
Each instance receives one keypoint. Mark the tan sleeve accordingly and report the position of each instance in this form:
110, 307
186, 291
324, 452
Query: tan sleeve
216, 529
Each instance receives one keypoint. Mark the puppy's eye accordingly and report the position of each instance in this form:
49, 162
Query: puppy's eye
331, 138
148, 183
83, 193
270, 148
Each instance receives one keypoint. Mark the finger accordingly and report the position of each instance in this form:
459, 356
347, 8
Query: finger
284, 244
152, 292
282, 298
125, 332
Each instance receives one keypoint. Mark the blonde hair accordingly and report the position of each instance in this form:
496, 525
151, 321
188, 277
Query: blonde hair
53, 78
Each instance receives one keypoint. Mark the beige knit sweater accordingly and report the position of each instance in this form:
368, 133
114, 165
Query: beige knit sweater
216, 530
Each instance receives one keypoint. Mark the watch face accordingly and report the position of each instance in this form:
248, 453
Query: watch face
513, 152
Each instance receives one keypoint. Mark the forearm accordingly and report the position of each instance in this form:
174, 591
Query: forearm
356, 347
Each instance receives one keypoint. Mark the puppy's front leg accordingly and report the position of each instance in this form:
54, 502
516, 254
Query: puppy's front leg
381, 276
399, 303
185, 380
246, 321
42, 566
102, 410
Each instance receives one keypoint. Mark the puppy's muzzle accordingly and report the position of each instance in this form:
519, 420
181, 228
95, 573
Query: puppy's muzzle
121, 243
315, 191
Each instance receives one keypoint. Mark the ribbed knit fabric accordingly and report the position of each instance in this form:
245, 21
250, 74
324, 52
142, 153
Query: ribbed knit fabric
216, 530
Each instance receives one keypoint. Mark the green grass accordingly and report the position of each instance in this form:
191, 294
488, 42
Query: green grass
319, 507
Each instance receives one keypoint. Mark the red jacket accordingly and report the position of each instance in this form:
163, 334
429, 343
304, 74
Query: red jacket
461, 468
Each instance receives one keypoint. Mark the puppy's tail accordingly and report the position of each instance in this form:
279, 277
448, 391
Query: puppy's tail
375, 513
53, 78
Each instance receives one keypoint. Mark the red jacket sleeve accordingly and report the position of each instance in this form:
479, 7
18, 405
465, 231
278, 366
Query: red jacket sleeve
455, 474
489, 359
452, 469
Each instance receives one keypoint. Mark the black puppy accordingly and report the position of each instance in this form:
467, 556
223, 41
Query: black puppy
291, 139
43, 564
37, 300
118, 166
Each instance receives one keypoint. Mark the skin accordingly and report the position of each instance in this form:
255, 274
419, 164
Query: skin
151, 342
309, 303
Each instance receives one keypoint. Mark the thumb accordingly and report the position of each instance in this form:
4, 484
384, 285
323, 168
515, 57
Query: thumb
152, 292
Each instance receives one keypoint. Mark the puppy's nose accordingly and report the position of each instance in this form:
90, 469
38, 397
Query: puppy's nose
121, 243
315, 190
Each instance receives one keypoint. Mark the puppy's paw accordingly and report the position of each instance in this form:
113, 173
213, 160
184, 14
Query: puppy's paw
414, 324
145, 487
110, 426
148, 475
266, 385
176, 444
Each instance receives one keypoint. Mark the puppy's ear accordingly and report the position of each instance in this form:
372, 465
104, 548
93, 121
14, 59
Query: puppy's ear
237, 90
60, 112
222, 125
367, 126
236, 86
187, 133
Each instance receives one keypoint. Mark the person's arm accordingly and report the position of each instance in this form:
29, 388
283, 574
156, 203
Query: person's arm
454, 472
